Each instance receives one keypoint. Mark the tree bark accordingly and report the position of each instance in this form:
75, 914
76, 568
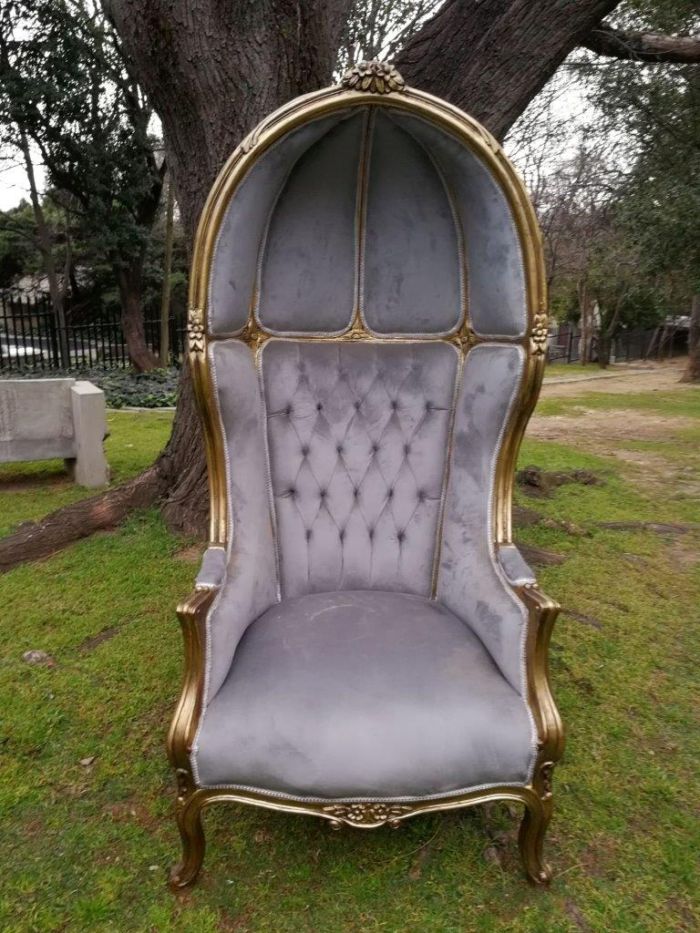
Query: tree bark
692, 370
167, 270
34, 540
130, 283
213, 68
643, 47
491, 57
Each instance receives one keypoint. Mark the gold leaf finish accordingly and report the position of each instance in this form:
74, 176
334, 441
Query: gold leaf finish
375, 85
366, 814
195, 330
539, 333
374, 78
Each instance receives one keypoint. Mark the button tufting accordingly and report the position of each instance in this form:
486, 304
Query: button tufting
401, 535
341, 534
421, 495
407, 448
323, 493
394, 404
355, 492
375, 448
308, 534
356, 406
370, 532
319, 406
305, 450
339, 449
390, 494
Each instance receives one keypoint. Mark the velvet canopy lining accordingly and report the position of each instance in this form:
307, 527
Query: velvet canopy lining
369, 208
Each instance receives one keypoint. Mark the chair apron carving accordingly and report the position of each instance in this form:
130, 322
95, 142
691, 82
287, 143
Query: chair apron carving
367, 335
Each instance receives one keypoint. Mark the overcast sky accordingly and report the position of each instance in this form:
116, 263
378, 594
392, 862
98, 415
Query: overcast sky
568, 101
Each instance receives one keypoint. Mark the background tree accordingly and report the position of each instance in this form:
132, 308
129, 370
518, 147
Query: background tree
64, 87
213, 68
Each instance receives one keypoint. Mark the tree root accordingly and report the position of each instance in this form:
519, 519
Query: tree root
35, 540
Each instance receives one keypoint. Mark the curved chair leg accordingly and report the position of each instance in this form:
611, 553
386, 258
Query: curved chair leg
531, 840
189, 822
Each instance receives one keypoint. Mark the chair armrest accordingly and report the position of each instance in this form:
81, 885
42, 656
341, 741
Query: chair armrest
213, 569
513, 565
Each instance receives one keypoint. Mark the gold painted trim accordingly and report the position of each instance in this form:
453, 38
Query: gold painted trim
373, 77
363, 815
376, 87
469, 133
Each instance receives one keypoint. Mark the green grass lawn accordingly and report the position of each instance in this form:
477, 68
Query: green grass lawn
87, 846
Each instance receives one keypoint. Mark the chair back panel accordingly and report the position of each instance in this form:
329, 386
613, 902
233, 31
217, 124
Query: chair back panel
357, 437
470, 581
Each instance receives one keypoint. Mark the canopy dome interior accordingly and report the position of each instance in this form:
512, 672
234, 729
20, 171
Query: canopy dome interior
372, 209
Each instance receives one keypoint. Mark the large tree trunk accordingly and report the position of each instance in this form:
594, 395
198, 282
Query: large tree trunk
130, 283
692, 370
213, 68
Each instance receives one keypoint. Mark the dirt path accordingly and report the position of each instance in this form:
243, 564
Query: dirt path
646, 377
628, 434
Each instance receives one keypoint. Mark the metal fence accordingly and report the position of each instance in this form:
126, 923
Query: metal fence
29, 338
663, 342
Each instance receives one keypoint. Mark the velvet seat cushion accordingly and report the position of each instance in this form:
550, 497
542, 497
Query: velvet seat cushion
363, 694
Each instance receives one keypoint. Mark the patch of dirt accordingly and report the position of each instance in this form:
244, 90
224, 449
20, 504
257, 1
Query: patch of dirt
659, 528
537, 482
191, 554
19, 482
653, 377
89, 644
582, 618
605, 432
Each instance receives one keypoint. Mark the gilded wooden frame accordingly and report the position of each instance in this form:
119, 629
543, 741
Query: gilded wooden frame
368, 84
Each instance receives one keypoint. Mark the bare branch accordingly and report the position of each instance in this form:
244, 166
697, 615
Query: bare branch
649, 48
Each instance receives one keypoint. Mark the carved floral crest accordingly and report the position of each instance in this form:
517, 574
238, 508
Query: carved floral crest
539, 333
375, 77
360, 814
195, 330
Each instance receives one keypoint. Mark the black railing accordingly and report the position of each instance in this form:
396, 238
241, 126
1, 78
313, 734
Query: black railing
29, 338
565, 344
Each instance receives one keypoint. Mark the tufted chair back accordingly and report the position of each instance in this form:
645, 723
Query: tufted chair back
366, 300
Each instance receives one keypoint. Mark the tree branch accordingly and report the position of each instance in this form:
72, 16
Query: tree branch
491, 57
643, 47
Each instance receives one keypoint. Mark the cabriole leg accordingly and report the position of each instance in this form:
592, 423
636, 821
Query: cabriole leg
531, 840
189, 822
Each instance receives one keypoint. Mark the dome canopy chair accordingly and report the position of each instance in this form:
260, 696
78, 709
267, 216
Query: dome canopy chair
367, 334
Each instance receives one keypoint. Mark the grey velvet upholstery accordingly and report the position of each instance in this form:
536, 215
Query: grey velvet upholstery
213, 568
436, 225
496, 299
235, 270
308, 260
514, 566
357, 439
366, 640
363, 694
413, 265
470, 581
250, 584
